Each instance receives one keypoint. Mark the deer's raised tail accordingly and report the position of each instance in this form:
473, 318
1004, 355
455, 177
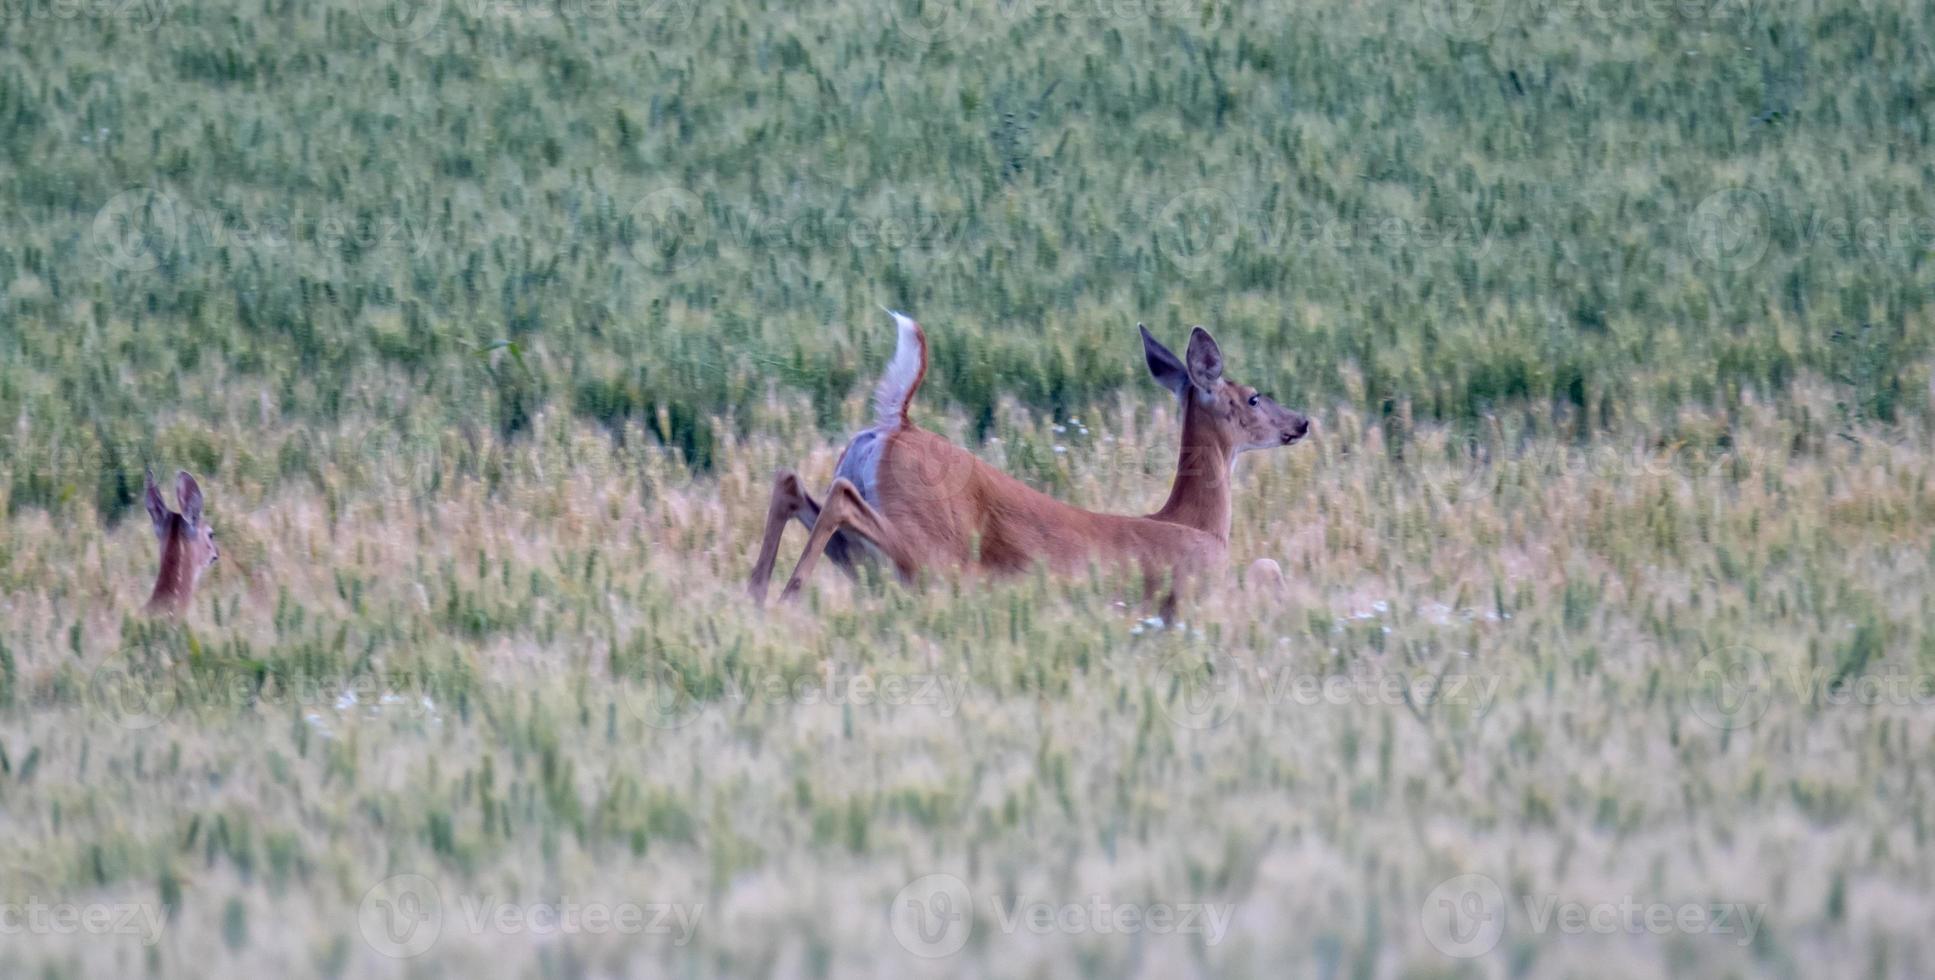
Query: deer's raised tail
904, 374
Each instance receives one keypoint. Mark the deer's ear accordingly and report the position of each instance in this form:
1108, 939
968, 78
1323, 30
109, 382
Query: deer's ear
1164, 365
157, 507
188, 493
1205, 360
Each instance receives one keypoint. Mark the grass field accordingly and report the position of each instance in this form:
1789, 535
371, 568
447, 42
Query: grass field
1604, 646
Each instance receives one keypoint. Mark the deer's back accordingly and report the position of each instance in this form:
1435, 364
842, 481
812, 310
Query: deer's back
958, 509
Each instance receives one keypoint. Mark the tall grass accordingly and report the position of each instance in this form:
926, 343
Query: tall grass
1607, 568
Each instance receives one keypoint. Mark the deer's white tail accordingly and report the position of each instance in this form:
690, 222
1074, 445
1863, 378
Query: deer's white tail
904, 373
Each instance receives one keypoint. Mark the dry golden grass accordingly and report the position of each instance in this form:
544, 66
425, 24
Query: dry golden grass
560, 693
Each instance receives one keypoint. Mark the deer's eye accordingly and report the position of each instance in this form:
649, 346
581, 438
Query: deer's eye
1253, 400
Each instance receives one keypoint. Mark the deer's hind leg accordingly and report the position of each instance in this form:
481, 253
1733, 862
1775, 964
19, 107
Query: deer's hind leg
846, 511
790, 501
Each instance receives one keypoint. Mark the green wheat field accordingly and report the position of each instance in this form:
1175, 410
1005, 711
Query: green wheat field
1603, 646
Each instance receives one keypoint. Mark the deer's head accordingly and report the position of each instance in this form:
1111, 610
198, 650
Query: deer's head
187, 543
1244, 418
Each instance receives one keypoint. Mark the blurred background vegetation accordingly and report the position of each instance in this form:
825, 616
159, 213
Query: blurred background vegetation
254, 214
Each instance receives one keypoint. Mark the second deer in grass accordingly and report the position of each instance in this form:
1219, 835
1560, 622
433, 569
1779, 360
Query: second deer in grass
187, 545
923, 502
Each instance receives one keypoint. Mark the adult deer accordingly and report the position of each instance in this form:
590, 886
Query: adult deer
924, 502
187, 545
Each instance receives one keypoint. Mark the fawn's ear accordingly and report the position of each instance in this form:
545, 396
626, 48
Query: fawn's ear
188, 493
1205, 360
157, 507
1164, 365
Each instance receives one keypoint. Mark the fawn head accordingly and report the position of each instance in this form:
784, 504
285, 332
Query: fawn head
1246, 418
187, 542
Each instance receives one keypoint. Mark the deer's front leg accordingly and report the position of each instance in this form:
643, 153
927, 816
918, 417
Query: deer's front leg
847, 511
789, 500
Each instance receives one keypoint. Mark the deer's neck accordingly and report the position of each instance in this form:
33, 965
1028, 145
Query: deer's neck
1200, 497
177, 580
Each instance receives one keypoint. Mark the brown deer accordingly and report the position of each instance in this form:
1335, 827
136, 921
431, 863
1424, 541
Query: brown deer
923, 502
187, 545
